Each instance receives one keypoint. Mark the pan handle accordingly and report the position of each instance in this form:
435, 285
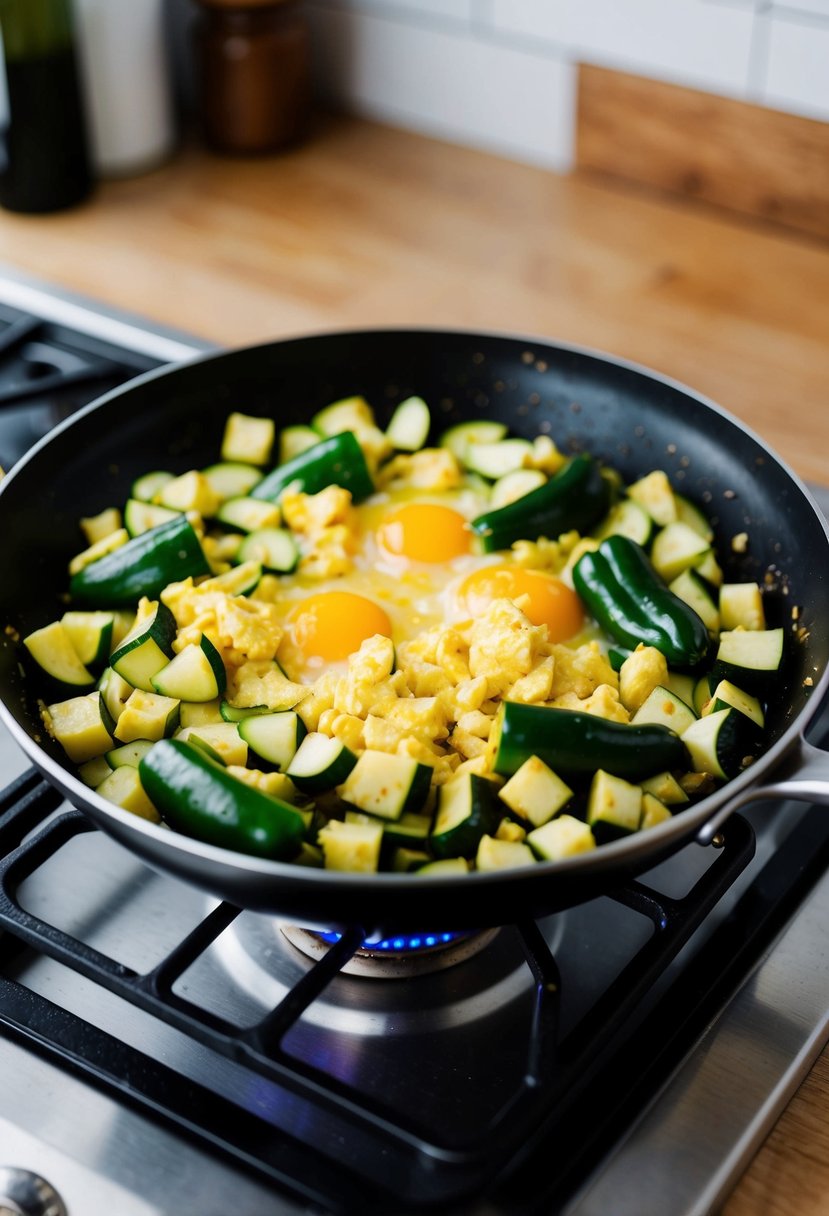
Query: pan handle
802, 776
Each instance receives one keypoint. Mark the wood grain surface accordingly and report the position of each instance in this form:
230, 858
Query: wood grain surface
368, 226
744, 157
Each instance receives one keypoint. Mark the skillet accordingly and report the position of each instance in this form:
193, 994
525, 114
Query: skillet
632, 418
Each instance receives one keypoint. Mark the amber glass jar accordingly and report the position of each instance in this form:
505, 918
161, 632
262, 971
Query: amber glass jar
254, 74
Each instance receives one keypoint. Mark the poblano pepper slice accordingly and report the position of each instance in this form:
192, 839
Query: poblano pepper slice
631, 602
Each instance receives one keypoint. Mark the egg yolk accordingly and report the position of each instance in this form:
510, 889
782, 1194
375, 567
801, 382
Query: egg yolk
548, 601
424, 532
330, 626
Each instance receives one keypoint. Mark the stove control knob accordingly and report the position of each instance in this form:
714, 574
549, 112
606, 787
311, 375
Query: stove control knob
23, 1193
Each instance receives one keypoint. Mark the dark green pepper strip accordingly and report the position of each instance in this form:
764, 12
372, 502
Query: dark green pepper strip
573, 742
198, 797
143, 566
631, 602
338, 461
576, 498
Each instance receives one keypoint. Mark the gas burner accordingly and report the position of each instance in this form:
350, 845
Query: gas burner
401, 956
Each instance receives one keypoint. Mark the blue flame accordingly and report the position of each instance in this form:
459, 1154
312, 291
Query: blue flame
402, 943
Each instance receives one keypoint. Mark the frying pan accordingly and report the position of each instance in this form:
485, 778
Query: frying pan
629, 417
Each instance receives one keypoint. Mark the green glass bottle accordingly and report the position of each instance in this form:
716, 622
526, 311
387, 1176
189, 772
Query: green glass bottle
44, 157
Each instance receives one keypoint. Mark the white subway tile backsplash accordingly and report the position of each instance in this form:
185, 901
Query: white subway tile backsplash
798, 67
446, 83
686, 41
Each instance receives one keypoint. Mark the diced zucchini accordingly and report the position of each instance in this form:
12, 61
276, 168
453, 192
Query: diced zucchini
666, 708
247, 514
741, 606
350, 414
722, 743
689, 513
682, 686
90, 634
231, 478
467, 810
100, 526
515, 485
116, 692
122, 622
200, 713
458, 439
80, 727
750, 658
535, 793
496, 854
274, 736
614, 806
296, 439
147, 486
242, 580
129, 754
627, 518
248, 439
653, 812
563, 837
408, 429
222, 738
352, 847
411, 830
238, 713
100, 549
666, 788
676, 548
147, 715
51, 648
123, 788
709, 569
702, 695
655, 495
146, 649
94, 771
446, 867
320, 763
141, 516
197, 673
385, 785
727, 693
406, 861
694, 591
189, 492
495, 460
274, 548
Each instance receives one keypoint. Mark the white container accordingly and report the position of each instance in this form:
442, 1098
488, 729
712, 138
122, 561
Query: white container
126, 81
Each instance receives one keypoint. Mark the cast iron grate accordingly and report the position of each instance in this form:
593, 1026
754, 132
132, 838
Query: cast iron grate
407, 1162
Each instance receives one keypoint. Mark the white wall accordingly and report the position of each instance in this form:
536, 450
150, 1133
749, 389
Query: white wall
500, 75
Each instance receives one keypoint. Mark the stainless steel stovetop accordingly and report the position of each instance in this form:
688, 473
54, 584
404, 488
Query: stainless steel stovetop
444, 1051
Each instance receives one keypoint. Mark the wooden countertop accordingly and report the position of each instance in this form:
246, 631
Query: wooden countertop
367, 226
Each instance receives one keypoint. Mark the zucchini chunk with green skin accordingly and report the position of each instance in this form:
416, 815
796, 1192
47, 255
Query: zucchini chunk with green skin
666, 788
563, 837
726, 694
467, 810
295, 439
337, 461
409, 831
231, 478
116, 691
320, 763
200, 713
352, 847
689, 513
147, 716
629, 519
107, 544
91, 635
655, 495
573, 742
238, 713
406, 861
741, 606
245, 514
123, 788
458, 439
275, 548
496, 460
222, 739
199, 798
535, 793
274, 736
750, 658
140, 517
129, 754
723, 743
146, 649
241, 580
630, 601
385, 785
676, 548
141, 567
197, 673
663, 706
409, 427
248, 439
695, 592
614, 807
93, 772
79, 727
51, 648
654, 812
577, 497
494, 854
515, 485
146, 487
